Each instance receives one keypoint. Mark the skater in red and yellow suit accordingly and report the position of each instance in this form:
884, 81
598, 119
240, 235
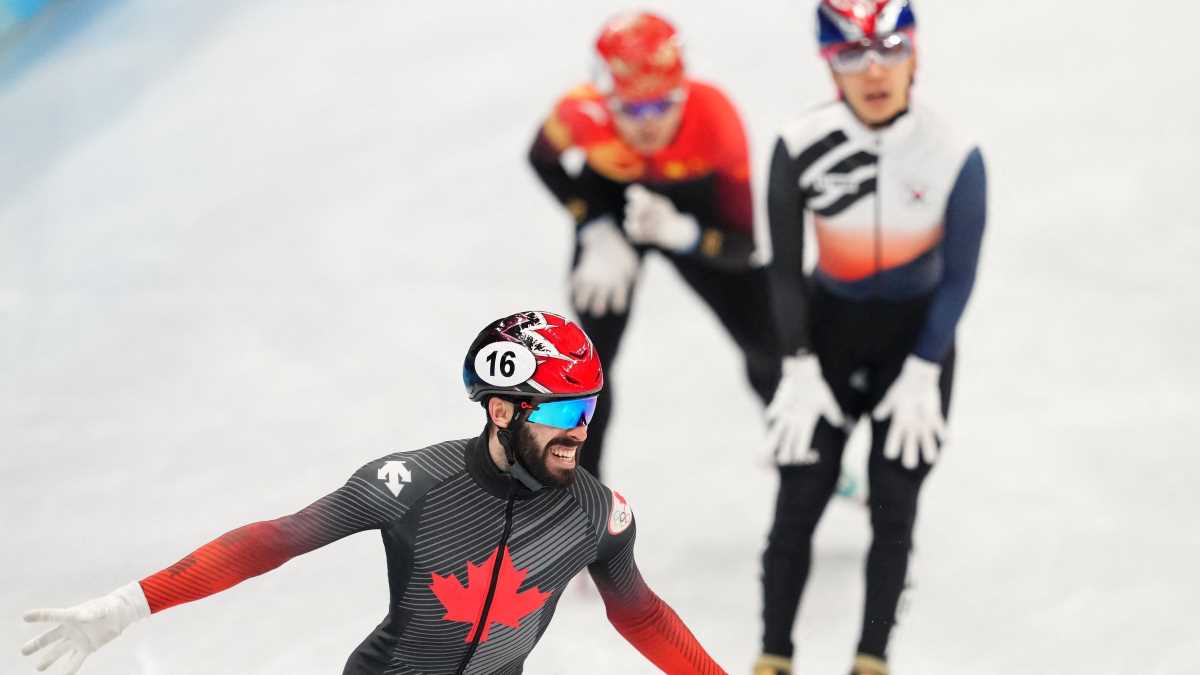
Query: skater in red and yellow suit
655, 161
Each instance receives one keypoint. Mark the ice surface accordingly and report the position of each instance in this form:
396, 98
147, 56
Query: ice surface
243, 245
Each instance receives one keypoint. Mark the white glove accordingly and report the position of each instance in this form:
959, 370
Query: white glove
86, 627
803, 397
914, 402
652, 219
607, 267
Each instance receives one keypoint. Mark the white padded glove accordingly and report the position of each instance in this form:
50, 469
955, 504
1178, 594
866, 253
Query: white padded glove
914, 402
803, 397
653, 220
604, 276
86, 627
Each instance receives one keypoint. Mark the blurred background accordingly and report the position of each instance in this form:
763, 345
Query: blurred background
244, 245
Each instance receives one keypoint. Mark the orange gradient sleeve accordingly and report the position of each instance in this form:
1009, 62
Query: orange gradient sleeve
260, 547
230, 559
653, 628
640, 616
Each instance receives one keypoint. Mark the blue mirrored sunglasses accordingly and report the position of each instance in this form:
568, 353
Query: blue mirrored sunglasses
653, 108
564, 414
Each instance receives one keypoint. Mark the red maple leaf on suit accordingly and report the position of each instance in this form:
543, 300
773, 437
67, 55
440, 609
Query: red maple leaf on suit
465, 604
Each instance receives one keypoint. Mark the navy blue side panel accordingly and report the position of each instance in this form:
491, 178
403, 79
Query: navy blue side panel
966, 216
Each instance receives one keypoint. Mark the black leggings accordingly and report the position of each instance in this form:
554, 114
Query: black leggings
738, 298
862, 347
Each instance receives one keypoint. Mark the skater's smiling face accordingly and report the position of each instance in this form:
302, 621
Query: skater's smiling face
877, 86
551, 454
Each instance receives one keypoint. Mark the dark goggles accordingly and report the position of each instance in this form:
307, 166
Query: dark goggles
652, 108
855, 57
562, 414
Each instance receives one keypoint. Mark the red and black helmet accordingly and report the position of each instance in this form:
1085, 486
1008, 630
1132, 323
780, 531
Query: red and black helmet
643, 54
532, 355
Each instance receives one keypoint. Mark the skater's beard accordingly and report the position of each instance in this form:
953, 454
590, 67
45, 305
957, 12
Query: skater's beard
534, 458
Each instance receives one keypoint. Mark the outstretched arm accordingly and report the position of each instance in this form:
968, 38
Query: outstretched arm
248, 551
260, 547
640, 616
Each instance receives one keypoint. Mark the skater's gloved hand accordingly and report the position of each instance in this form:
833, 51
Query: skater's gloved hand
604, 276
914, 402
803, 397
86, 627
653, 220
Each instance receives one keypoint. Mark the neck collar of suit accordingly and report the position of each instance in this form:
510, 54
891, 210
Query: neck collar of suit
491, 478
895, 130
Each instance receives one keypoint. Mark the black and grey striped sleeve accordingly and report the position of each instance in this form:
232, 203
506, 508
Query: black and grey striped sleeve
380, 492
785, 215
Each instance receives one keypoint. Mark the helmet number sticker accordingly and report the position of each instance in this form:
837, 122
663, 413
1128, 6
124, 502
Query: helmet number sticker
504, 364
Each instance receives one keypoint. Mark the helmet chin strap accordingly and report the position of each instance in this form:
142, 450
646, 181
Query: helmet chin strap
515, 466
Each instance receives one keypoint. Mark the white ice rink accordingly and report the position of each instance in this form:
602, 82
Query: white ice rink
243, 246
